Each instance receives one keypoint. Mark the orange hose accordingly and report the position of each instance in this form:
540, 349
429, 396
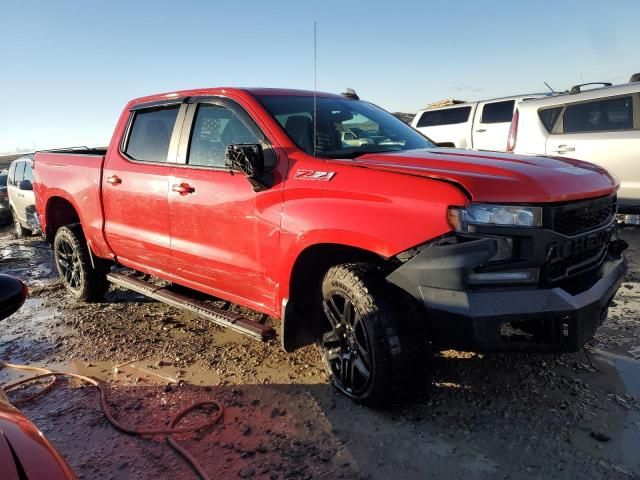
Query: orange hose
172, 429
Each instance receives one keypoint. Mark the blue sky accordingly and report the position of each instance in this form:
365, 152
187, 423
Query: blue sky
68, 67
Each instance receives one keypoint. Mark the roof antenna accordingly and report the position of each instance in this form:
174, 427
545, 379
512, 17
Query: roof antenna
315, 88
552, 90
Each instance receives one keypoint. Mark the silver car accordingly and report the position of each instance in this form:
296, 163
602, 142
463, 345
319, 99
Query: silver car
21, 197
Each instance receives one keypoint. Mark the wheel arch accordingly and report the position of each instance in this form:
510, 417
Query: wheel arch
305, 277
59, 212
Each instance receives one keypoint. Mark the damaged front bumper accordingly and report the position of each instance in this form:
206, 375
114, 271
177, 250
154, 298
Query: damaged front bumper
560, 316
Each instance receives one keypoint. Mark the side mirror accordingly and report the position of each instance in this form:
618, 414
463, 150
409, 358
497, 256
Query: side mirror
25, 185
13, 293
247, 158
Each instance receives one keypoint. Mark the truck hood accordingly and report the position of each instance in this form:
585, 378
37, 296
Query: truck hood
499, 177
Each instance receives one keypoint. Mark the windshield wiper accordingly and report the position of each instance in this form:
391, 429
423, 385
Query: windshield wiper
358, 153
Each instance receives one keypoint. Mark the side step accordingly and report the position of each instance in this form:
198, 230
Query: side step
216, 315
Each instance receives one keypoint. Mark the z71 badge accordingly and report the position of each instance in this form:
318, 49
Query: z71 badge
314, 175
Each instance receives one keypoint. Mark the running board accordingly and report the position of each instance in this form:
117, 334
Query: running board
218, 316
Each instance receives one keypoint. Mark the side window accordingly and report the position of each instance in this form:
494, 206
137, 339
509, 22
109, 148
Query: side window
19, 173
548, 116
449, 116
215, 128
150, 134
599, 115
498, 112
12, 174
28, 172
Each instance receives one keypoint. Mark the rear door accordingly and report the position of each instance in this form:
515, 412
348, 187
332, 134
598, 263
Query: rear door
224, 235
491, 125
604, 131
135, 188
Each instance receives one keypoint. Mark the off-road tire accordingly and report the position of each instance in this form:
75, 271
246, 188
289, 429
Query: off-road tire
19, 230
392, 347
84, 282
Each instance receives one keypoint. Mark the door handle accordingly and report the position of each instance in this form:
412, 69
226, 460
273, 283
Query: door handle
114, 180
183, 188
480, 130
564, 149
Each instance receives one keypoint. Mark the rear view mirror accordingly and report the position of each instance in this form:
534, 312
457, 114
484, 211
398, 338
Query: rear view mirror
13, 293
25, 185
247, 158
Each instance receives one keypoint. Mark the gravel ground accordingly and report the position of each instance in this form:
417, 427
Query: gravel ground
481, 416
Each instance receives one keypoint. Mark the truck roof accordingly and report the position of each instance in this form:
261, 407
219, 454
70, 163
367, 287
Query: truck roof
230, 90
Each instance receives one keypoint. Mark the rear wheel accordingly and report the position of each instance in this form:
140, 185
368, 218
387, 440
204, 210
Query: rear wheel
18, 228
74, 266
361, 345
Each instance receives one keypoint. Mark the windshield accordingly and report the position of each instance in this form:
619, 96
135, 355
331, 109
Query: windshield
345, 128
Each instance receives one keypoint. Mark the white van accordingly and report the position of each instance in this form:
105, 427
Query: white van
482, 125
599, 125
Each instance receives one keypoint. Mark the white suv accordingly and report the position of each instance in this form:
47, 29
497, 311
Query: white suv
21, 197
600, 125
482, 125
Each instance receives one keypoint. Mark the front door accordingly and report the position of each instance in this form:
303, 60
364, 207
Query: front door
491, 125
224, 235
135, 186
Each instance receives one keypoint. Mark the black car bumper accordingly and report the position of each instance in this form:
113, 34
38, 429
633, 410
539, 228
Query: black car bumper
557, 317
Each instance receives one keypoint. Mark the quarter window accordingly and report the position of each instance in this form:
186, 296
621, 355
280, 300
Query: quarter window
449, 116
599, 115
549, 116
214, 129
151, 134
12, 174
498, 112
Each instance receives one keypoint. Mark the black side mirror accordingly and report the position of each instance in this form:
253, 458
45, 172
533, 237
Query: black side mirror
247, 158
25, 185
13, 293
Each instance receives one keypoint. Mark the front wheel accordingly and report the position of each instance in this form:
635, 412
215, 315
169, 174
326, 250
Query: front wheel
74, 266
361, 345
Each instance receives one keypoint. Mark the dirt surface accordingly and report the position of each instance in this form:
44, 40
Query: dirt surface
505, 416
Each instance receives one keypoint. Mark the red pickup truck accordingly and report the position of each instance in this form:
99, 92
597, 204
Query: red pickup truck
378, 250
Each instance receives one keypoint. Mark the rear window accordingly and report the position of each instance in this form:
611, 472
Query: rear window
449, 116
548, 116
151, 134
498, 112
599, 115
3, 180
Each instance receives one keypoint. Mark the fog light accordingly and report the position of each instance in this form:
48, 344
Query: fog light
523, 276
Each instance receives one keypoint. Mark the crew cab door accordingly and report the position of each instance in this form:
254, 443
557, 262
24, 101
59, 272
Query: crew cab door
224, 235
491, 125
135, 188
604, 131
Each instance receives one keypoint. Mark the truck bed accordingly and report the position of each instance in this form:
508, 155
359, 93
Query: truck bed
80, 171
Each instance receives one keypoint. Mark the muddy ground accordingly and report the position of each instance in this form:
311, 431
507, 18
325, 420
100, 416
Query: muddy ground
504, 416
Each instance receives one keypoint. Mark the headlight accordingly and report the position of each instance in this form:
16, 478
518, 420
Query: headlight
501, 215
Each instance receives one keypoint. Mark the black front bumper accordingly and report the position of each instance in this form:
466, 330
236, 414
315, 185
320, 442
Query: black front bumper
560, 317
